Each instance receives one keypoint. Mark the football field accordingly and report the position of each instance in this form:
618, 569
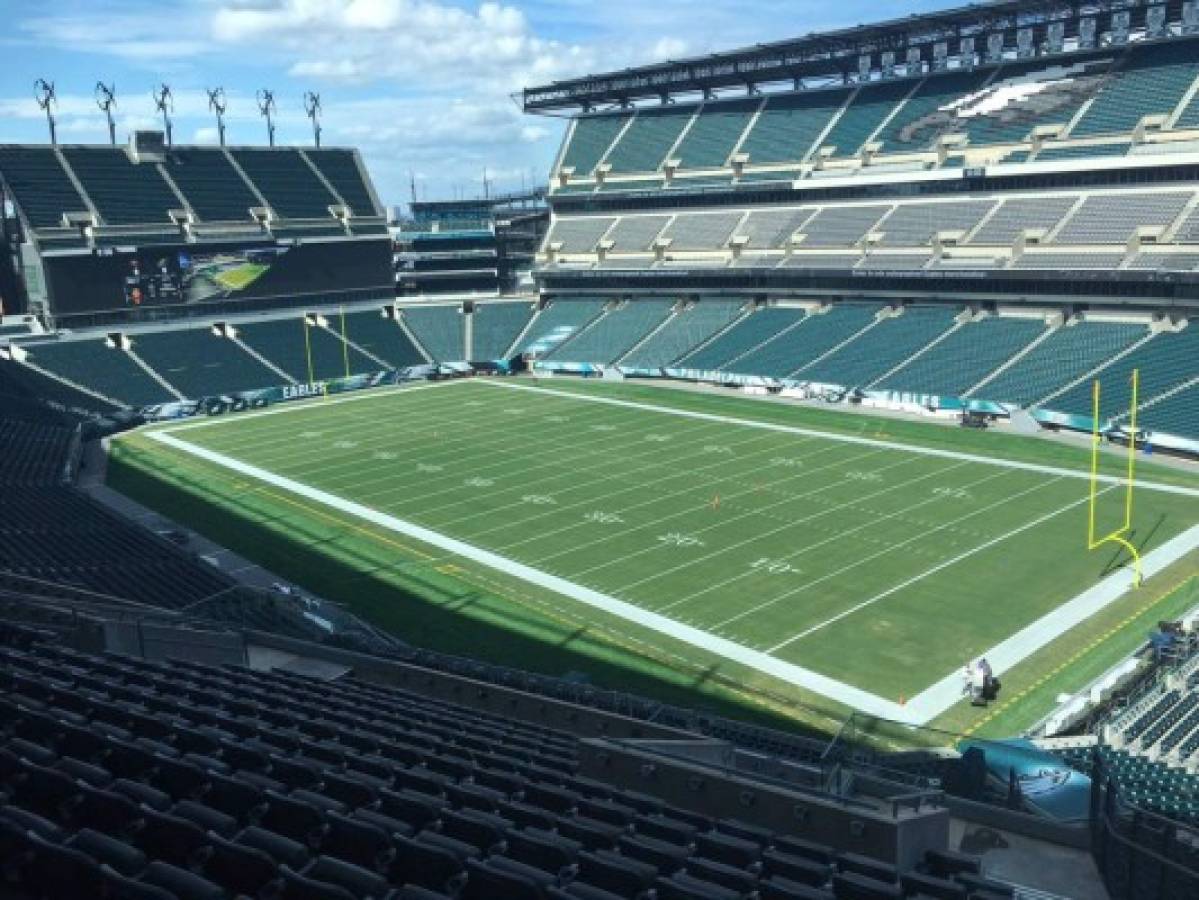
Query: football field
851, 565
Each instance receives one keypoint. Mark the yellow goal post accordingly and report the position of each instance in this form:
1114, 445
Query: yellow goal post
1120, 536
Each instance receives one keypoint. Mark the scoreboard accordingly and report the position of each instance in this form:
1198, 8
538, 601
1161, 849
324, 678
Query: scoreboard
153, 282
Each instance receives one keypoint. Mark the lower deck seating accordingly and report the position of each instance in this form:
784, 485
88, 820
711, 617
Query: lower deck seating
173, 779
494, 327
200, 364
381, 336
59, 535
757, 328
93, 364
1069, 353
883, 347
557, 322
817, 334
964, 358
290, 344
439, 329
1178, 414
621, 329
689, 328
22, 382
1165, 361
33, 453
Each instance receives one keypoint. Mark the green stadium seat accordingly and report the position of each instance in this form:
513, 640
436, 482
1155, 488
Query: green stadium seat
200, 364
687, 329
615, 334
439, 330
791, 351
883, 347
965, 357
93, 364
494, 328
1068, 353
288, 342
750, 332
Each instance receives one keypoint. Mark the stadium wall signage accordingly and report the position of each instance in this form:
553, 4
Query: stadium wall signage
221, 404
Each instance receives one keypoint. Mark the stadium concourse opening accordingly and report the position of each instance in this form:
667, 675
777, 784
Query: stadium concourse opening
736, 516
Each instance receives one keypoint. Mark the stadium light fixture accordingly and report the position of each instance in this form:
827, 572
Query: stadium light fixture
266, 106
216, 103
312, 109
106, 99
164, 102
43, 92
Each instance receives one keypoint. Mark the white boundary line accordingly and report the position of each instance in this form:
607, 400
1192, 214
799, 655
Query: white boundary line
920, 709
813, 681
851, 439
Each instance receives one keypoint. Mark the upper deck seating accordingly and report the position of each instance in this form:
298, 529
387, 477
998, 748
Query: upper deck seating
285, 180
125, 193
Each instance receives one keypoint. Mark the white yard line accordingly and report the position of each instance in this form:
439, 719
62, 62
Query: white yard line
754, 538
832, 538
788, 672
933, 701
864, 560
928, 573
851, 439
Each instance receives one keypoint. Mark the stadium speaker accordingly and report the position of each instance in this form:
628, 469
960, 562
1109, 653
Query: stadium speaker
468, 307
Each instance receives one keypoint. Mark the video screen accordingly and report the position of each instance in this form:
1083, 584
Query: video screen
196, 275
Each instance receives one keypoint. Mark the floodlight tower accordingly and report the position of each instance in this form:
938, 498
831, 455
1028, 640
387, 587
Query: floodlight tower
43, 92
106, 100
164, 102
312, 107
216, 103
266, 106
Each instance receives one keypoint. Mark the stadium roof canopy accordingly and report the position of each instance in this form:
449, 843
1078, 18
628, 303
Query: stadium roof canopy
837, 54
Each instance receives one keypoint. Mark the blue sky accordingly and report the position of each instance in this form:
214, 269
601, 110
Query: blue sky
420, 86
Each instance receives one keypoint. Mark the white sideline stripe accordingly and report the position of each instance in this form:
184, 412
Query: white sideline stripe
927, 573
1028, 640
788, 672
852, 439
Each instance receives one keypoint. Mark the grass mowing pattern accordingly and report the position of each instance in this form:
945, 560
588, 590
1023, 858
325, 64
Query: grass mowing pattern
805, 529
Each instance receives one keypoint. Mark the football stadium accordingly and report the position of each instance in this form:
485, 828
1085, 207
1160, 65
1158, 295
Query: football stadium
795, 496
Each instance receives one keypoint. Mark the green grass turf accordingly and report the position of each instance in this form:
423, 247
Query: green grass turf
239, 277
805, 528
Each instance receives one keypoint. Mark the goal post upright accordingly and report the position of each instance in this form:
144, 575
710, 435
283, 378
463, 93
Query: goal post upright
1120, 535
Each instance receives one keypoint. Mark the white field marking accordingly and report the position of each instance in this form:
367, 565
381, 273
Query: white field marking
1013, 650
294, 406
915, 579
853, 439
623, 477
791, 524
499, 455
758, 511
881, 517
691, 510
512, 462
777, 668
669, 495
890, 548
458, 431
